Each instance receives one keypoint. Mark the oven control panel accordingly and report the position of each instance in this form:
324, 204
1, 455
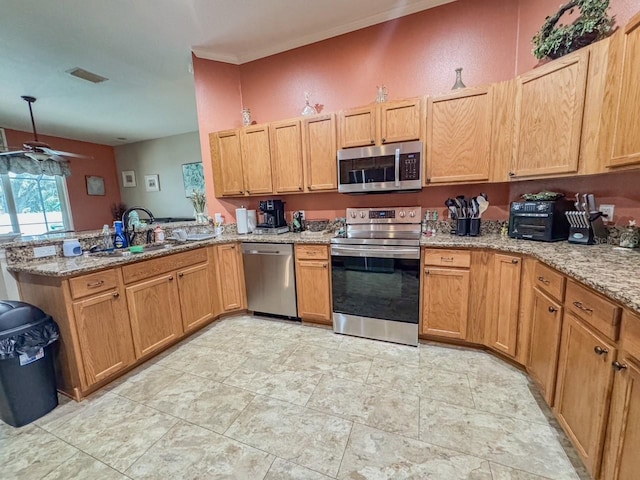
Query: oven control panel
384, 215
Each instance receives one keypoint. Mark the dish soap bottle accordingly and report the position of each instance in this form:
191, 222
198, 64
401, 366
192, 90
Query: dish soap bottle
107, 241
120, 240
158, 234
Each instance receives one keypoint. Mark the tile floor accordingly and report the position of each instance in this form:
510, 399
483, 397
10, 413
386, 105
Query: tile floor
250, 398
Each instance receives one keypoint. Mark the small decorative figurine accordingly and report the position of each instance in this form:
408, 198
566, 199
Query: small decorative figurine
246, 117
382, 94
308, 109
458, 83
630, 238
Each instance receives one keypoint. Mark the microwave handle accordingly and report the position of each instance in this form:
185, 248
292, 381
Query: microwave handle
397, 165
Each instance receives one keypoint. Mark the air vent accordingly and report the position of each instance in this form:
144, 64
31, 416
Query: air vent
86, 75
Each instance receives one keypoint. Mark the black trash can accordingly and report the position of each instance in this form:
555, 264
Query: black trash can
27, 378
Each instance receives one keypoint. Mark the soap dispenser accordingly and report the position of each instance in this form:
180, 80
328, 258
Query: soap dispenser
120, 239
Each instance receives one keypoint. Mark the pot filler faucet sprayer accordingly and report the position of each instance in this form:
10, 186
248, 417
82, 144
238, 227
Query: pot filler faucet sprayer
125, 222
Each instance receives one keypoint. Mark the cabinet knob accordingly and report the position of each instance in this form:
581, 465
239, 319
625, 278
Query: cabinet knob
241, 192
233, 246
426, 272
116, 294
512, 174
181, 275
619, 366
384, 140
428, 179
372, 142
324, 265
300, 188
553, 309
248, 192
171, 278
599, 350
514, 261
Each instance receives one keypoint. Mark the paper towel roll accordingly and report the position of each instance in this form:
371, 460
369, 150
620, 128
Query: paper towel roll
252, 220
241, 220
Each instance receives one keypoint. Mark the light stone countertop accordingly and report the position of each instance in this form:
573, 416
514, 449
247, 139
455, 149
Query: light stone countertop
612, 271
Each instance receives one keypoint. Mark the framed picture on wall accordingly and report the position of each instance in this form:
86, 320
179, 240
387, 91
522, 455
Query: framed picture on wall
152, 183
95, 185
193, 178
128, 178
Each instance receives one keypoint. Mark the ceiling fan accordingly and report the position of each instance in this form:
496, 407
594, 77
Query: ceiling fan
38, 150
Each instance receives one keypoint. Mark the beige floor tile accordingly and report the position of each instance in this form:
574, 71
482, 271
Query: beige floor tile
82, 467
191, 452
204, 402
351, 366
270, 348
146, 384
114, 430
275, 380
203, 362
375, 455
283, 470
381, 350
305, 437
67, 409
384, 409
523, 445
500, 472
29, 452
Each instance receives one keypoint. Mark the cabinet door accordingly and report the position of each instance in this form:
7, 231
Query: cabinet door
319, 152
226, 159
583, 388
549, 113
459, 136
230, 277
626, 141
400, 121
195, 296
621, 454
505, 303
286, 156
256, 160
546, 329
104, 335
445, 300
314, 291
358, 127
154, 308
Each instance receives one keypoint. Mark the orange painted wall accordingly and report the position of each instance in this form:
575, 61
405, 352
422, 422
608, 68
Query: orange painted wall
89, 211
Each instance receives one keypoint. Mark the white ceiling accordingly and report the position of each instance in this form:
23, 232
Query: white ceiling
144, 48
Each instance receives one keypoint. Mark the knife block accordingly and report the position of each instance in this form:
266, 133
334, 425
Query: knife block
594, 233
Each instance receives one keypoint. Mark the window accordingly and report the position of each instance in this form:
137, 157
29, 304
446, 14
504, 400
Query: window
34, 204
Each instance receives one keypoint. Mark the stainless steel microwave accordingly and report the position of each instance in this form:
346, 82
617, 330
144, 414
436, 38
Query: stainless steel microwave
392, 167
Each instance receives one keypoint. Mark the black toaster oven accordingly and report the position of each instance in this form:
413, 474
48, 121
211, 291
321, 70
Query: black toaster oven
539, 220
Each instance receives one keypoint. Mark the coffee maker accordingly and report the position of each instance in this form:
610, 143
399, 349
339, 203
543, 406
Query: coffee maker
272, 217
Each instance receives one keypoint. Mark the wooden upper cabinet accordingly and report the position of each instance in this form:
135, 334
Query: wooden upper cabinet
256, 159
400, 121
548, 120
445, 302
626, 141
226, 159
504, 303
458, 142
286, 156
358, 127
319, 153
230, 277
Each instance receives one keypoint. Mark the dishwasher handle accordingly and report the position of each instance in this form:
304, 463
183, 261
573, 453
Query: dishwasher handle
262, 252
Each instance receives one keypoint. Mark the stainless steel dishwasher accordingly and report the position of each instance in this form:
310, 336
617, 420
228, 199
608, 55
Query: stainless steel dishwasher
270, 278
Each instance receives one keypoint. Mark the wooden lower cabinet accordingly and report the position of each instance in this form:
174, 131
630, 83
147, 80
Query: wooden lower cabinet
231, 287
154, 309
445, 302
546, 330
504, 301
194, 288
583, 388
313, 283
104, 334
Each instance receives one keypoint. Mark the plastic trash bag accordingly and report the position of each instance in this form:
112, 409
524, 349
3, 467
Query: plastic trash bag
29, 342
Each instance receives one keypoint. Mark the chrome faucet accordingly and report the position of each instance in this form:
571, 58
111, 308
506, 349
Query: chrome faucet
125, 222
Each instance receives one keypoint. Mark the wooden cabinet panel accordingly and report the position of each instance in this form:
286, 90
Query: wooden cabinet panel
445, 302
230, 277
104, 334
312, 252
546, 329
447, 258
93, 283
630, 334
313, 281
400, 121
459, 136
358, 127
550, 281
621, 459
319, 152
583, 388
626, 141
594, 309
150, 268
256, 159
549, 113
505, 301
226, 158
286, 156
154, 309
195, 290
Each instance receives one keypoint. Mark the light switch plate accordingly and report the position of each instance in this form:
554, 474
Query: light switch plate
608, 211
48, 251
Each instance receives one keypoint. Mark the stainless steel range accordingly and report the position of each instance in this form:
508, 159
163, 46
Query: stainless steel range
376, 274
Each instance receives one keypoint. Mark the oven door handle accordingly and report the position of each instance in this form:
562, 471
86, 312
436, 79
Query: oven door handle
397, 165
379, 252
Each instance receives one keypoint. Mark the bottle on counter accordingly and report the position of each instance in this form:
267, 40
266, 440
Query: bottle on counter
107, 241
158, 234
120, 240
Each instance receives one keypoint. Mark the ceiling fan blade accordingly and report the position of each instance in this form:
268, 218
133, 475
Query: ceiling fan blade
14, 153
50, 151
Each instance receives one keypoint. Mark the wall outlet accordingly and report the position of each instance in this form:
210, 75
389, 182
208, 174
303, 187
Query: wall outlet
608, 211
47, 251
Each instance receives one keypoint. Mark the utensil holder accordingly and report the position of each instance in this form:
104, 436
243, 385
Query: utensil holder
462, 226
474, 227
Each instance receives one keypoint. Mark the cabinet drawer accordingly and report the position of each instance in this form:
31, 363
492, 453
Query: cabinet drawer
312, 252
447, 258
93, 283
630, 336
594, 309
150, 268
550, 281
